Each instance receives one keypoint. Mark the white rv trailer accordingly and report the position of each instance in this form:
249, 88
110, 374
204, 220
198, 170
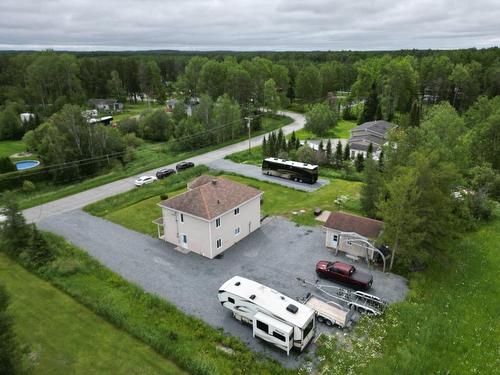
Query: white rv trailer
274, 317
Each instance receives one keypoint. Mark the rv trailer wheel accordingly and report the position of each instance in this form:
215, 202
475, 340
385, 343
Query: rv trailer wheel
320, 319
328, 322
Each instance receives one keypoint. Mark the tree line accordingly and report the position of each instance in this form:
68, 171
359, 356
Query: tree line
436, 180
43, 82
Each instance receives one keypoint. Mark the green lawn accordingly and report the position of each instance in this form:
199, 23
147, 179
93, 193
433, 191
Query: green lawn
278, 200
447, 325
341, 130
134, 109
65, 337
148, 156
7, 148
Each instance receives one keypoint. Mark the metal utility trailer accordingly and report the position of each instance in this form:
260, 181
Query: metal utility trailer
355, 300
328, 312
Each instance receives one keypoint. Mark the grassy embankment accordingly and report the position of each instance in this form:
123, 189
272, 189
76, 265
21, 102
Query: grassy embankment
447, 325
137, 212
64, 337
148, 156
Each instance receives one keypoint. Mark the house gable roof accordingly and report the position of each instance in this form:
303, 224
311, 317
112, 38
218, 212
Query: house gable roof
345, 222
209, 199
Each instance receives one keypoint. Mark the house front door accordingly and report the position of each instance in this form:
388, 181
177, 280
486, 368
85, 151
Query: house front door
184, 241
335, 240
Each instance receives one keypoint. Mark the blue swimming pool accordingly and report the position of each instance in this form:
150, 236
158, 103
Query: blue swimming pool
26, 164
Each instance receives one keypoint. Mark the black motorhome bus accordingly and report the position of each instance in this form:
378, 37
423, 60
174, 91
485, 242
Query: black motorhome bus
292, 170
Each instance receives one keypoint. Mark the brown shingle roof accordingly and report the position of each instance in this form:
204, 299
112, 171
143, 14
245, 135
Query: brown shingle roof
345, 222
212, 199
202, 180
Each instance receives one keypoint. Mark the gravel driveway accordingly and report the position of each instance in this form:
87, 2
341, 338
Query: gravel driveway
274, 255
256, 172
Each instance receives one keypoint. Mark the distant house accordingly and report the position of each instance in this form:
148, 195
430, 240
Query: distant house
25, 117
374, 132
211, 216
353, 235
106, 104
171, 103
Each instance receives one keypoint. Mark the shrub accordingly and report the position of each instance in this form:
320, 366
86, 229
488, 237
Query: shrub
6, 165
28, 186
132, 141
130, 125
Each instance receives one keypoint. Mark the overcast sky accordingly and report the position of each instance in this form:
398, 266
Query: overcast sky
248, 24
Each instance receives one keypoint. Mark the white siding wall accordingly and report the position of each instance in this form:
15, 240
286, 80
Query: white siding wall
196, 230
247, 220
344, 246
203, 235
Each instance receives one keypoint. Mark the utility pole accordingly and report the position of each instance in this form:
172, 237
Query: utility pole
249, 119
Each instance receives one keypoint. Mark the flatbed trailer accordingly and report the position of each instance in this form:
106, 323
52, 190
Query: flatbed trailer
362, 302
329, 312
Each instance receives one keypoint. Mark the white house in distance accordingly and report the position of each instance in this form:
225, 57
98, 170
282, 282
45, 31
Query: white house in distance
353, 235
211, 216
374, 132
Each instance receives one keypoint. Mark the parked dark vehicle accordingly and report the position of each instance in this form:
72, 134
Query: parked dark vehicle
184, 165
162, 173
344, 273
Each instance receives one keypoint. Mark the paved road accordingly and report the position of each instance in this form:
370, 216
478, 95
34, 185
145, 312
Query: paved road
84, 198
274, 255
256, 172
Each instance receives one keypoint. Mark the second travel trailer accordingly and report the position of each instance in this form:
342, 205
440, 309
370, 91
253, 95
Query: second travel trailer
274, 317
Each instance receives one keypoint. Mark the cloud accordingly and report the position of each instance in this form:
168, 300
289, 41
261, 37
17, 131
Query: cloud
248, 25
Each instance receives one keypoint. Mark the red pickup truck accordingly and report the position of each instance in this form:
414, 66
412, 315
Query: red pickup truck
344, 273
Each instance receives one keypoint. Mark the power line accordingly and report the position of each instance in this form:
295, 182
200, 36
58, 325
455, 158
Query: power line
97, 159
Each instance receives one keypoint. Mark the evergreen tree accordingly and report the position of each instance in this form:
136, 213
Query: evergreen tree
338, 155
279, 141
321, 147
264, 147
381, 161
271, 145
370, 191
329, 151
292, 142
39, 252
9, 350
347, 152
359, 162
379, 115
15, 230
371, 105
297, 144
370, 150
415, 114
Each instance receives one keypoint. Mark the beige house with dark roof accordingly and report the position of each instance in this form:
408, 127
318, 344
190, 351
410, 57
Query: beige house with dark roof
353, 235
211, 216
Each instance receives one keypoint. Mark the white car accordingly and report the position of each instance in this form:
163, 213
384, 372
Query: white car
143, 180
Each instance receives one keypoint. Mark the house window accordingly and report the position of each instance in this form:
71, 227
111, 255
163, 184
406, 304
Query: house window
219, 243
230, 300
237, 231
263, 326
236, 211
335, 238
184, 239
217, 222
279, 336
182, 218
